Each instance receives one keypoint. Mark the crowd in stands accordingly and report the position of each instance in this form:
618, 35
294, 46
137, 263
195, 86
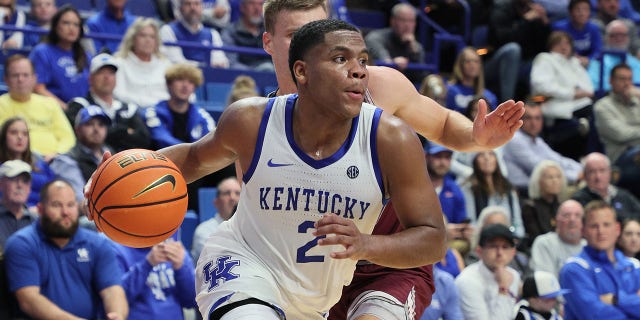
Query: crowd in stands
527, 223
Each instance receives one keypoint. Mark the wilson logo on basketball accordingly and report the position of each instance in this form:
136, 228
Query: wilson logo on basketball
167, 178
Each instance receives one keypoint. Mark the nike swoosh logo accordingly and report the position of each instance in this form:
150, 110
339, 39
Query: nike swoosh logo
164, 179
272, 164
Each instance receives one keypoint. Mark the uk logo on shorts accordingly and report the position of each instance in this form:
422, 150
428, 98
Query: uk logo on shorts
221, 273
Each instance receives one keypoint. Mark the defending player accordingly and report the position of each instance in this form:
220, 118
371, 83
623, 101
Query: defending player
378, 292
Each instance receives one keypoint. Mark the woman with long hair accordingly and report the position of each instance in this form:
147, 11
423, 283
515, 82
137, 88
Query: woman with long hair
140, 76
15, 145
629, 240
61, 63
467, 82
488, 187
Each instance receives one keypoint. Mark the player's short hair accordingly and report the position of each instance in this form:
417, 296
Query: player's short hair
184, 71
272, 8
311, 35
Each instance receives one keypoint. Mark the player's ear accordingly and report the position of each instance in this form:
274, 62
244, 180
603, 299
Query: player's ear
300, 71
266, 42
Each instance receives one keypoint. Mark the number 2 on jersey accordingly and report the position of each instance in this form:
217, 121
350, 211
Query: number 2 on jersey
302, 256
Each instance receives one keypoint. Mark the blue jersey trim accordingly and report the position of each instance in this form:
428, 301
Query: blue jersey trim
374, 149
316, 164
257, 151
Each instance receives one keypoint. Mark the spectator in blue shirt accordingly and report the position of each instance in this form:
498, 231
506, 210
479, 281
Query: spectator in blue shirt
158, 281
62, 64
467, 82
9, 15
42, 12
177, 120
57, 270
114, 19
445, 302
604, 283
587, 39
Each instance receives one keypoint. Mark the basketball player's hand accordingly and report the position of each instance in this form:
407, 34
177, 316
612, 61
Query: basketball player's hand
498, 127
341, 231
175, 252
87, 187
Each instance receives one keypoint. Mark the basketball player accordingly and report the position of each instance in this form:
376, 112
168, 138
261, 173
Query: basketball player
313, 190
377, 292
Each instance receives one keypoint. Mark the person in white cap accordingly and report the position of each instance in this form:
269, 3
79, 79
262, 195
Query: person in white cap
540, 294
15, 185
128, 130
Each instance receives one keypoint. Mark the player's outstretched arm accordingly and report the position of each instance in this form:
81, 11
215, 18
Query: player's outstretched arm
394, 93
407, 182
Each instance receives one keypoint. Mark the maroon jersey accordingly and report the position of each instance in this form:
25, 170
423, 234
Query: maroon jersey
396, 282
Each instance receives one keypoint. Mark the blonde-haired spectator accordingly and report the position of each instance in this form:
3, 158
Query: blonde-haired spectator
140, 76
243, 87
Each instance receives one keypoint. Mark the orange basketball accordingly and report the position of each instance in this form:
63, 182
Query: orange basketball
138, 198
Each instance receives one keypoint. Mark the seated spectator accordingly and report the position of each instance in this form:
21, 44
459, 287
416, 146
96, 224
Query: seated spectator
15, 184
525, 24
140, 77
225, 202
445, 302
540, 295
216, 13
587, 39
560, 78
433, 86
616, 39
177, 120
397, 44
597, 175
243, 87
488, 288
127, 129
50, 132
629, 240
527, 149
247, 32
61, 63
158, 281
467, 82
617, 116
15, 144
488, 187
604, 283
550, 250
10, 15
188, 28
42, 12
610, 10
113, 19
546, 186
57, 270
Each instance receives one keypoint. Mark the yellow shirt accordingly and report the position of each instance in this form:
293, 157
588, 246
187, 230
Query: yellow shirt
49, 130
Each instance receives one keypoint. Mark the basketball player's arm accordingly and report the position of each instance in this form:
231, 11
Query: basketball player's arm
405, 178
234, 139
394, 93
37, 306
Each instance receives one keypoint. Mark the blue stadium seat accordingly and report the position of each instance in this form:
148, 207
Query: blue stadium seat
187, 228
217, 93
206, 209
144, 8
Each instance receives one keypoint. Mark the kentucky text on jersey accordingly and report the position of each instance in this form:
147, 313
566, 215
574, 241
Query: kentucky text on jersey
293, 199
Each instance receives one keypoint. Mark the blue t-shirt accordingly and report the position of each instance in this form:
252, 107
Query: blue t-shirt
105, 22
71, 277
158, 292
39, 177
30, 39
57, 70
586, 42
452, 201
459, 96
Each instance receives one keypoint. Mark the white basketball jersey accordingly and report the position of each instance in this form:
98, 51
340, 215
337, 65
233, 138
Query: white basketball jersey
286, 191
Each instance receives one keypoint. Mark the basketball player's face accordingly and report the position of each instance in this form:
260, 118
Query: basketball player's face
335, 73
277, 43
59, 213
